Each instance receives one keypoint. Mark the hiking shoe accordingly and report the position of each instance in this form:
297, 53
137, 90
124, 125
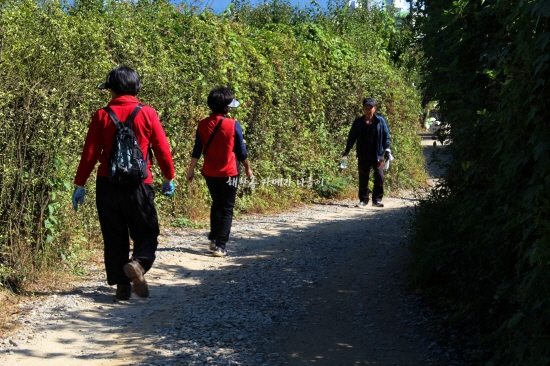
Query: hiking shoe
377, 204
212, 245
134, 271
362, 204
123, 291
219, 252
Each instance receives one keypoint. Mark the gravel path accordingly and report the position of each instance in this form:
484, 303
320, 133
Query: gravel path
322, 285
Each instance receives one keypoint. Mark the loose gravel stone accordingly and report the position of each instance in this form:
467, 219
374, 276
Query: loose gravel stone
225, 311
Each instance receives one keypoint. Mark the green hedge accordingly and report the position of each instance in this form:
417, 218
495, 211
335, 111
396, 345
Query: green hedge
300, 83
482, 241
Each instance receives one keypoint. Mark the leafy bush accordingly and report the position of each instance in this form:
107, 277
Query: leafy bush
300, 77
482, 239
333, 188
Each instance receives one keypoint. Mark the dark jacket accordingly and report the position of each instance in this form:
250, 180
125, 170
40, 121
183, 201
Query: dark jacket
382, 137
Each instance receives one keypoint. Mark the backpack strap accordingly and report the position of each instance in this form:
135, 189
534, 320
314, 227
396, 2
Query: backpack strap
212, 135
112, 114
129, 120
135, 112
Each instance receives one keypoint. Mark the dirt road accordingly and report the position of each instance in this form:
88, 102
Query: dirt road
323, 285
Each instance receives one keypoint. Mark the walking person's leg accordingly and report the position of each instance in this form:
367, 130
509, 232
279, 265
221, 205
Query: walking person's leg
141, 214
215, 219
229, 192
143, 224
378, 189
114, 229
215, 187
224, 193
364, 175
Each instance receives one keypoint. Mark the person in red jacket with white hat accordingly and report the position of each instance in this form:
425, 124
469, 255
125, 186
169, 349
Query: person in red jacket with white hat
121, 208
220, 139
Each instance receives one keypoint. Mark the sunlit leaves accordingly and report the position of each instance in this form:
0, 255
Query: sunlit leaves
300, 77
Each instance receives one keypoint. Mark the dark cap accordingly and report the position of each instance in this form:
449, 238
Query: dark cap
369, 101
106, 85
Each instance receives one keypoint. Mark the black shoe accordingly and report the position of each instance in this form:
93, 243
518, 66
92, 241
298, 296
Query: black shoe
123, 291
377, 204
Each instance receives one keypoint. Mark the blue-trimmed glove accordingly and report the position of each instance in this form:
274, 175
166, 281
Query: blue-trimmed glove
168, 188
78, 197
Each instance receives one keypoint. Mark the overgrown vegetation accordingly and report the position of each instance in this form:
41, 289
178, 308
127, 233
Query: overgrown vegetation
482, 240
300, 76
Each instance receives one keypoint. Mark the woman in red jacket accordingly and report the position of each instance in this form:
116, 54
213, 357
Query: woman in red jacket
125, 208
220, 139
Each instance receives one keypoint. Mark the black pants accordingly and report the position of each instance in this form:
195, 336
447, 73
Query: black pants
365, 167
123, 211
223, 192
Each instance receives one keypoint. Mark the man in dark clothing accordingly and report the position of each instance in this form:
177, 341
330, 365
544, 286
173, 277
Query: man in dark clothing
372, 135
124, 209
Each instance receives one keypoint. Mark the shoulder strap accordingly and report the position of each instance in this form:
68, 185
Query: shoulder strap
112, 114
130, 118
135, 112
212, 135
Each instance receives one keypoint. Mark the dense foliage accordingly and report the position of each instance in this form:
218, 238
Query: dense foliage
482, 240
299, 74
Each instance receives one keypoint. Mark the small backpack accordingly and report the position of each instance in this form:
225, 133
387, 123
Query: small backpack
126, 165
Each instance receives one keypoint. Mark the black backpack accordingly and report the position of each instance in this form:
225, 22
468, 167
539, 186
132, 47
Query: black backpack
126, 164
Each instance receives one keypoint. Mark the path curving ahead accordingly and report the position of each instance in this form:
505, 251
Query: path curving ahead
322, 285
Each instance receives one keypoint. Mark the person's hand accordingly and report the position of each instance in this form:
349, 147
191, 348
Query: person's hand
380, 164
78, 197
168, 188
248, 172
190, 176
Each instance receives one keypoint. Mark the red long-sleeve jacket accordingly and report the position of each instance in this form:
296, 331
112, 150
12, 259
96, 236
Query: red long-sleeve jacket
148, 131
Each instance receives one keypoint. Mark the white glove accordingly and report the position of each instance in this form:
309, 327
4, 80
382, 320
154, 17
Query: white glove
390, 158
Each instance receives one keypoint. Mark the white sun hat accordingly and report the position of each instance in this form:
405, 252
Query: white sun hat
234, 103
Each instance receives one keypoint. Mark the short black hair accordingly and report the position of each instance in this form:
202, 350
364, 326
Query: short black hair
219, 99
123, 80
